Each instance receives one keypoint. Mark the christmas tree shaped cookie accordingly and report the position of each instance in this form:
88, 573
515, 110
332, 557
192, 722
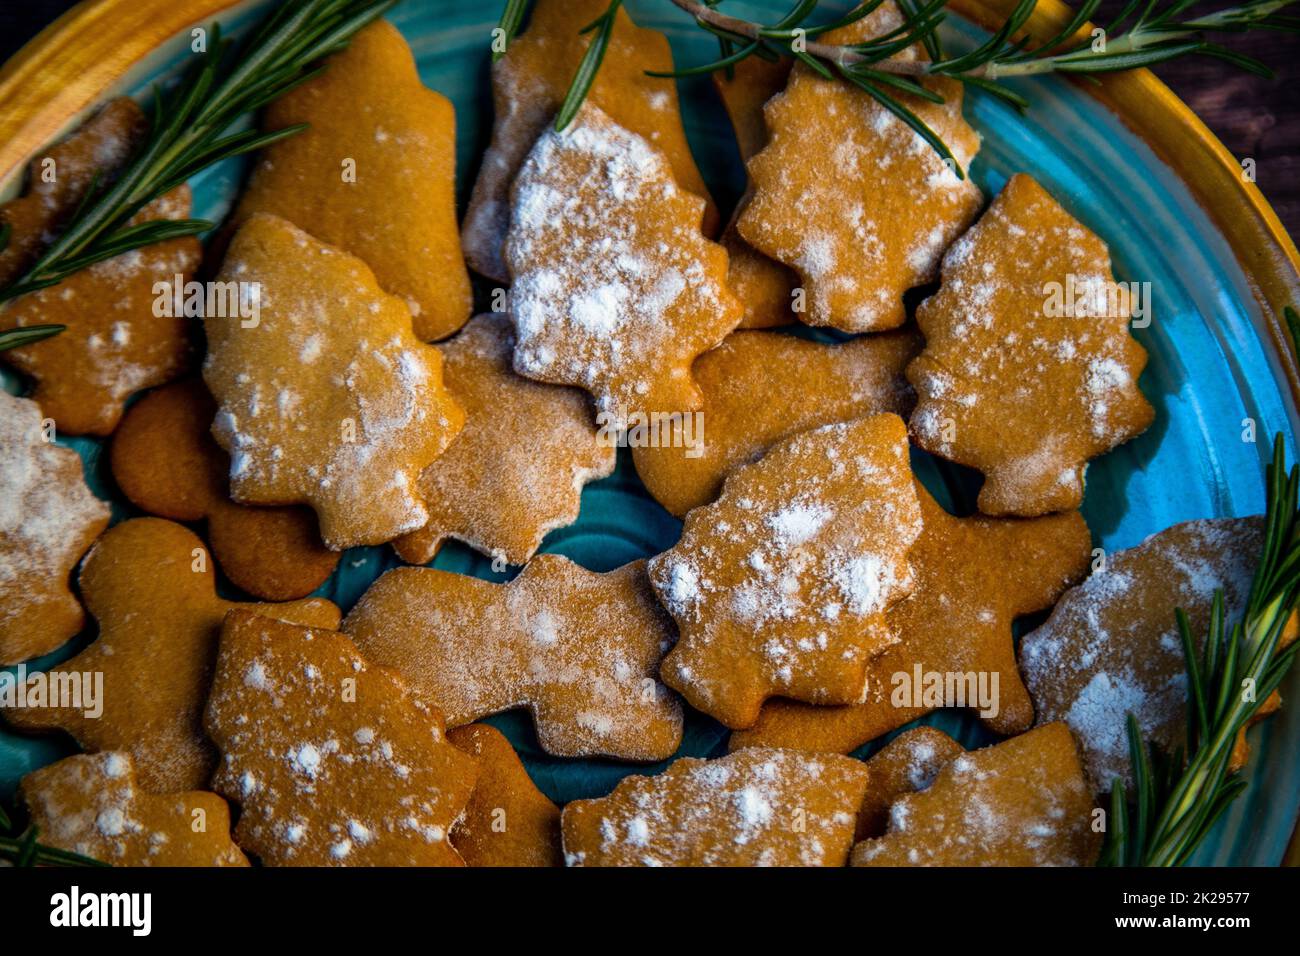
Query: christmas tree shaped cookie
852, 198
92, 804
115, 342
1023, 802
530, 82
754, 808
782, 585
615, 289
373, 174
974, 576
325, 395
1023, 388
48, 518
332, 761
517, 468
1111, 647
59, 179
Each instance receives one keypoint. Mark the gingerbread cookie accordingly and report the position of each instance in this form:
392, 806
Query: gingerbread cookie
58, 180
165, 460
897, 203
760, 387
374, 174
1111, 646
92, 804
1023, 802
150, 585
48, 518
753, 808
114, 343
508, 821
580, 650
974, 576
516, 470
326, 397
782, 585
907, 764
764, 286
1008, 387
530, 82
332, 761
615, 288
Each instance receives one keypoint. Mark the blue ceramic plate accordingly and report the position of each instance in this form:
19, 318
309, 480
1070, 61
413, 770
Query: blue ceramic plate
1210, 368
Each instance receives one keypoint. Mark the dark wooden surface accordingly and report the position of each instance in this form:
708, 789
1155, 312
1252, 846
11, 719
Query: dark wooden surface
1254, 117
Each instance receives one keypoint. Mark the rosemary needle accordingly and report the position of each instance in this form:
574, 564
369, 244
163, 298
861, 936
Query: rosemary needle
190, 131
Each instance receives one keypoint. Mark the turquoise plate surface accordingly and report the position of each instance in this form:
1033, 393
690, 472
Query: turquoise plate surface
1210, 370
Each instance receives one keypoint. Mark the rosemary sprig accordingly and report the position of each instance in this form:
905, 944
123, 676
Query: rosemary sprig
603, 26
12, 338
1179, 797
511, 19
190, 131
1145, 33
25, 850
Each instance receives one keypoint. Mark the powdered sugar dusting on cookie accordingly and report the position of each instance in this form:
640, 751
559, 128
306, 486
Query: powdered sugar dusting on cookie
517, 469
1008, 382
1023, 802
333, 764
756, 807
528, 85
898, 204
48, 517
328, 399
91, 804
580, 650
791, 571
615, 288
1112, 647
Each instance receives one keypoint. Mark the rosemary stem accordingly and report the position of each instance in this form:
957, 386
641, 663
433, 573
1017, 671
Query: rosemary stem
830, 52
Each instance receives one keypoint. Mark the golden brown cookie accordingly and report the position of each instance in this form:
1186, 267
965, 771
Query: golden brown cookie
580, 650
1111, 646
48, 518
764, 286
58, 180
115, 343
150, 585
1003, 385
530, 82
508, 821
1023, 802
781, 586
974, 576
516, 470
165, 460
92, 804
753, 808
615, 288
373, 175
332, 761
327, 398
760, 387
896, 204
908, 763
